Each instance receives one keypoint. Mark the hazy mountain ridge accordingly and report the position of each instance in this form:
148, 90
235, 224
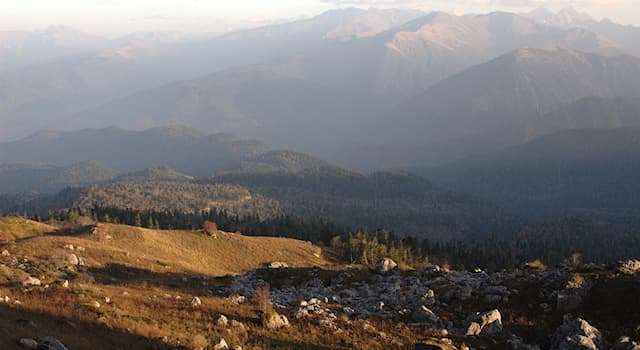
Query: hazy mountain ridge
586, 113
369, 55
626, 35
17, 178
261, 102
586, 172
519, 86
34, 97
20, 48
181, 148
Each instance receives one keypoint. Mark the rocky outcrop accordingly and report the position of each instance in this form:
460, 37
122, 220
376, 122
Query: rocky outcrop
31, 281
385, 265
278, 265
222, 321
196, 302
486, 323
576, 333
425, 316
275, 321
220, 345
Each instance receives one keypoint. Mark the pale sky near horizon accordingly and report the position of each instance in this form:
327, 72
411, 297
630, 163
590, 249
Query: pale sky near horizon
118, 17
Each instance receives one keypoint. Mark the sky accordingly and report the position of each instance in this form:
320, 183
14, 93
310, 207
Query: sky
113, 18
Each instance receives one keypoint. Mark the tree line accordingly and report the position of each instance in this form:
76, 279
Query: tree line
551, 242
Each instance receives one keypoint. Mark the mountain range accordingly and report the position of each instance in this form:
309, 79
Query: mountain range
334, 61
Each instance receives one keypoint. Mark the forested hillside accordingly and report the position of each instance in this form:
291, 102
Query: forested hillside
588, 172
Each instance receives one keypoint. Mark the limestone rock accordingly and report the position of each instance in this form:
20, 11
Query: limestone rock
222, 321
221, 345
576, 333
196, 302
425, 315
72, 260
28, 343
385, 265
486, 323
51, 343
275, 320
278, 265
31, 281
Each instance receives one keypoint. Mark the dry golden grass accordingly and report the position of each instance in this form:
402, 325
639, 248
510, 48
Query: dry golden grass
177, 251
145, 281
13, 227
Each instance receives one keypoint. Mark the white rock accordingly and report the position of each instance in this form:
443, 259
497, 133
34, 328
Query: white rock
221, 345
73, 260
196, 302
385, 265
31, 281
222, 321
6, 253
28, 343
487, 323
275, 321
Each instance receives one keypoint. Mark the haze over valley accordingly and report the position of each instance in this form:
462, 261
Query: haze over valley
414, 176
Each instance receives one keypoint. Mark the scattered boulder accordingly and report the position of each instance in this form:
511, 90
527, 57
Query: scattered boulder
385, 265
31, 281
278, 265
196, 302
6, 253
429, 299
274, 321
94, 304
237, 299
486, 323
28, 343
222, 321
65, 284
576, 333
425, 315
221, 345
72, 260
51, 343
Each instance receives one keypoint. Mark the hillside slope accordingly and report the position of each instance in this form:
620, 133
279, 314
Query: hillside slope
585, 172
586, 113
